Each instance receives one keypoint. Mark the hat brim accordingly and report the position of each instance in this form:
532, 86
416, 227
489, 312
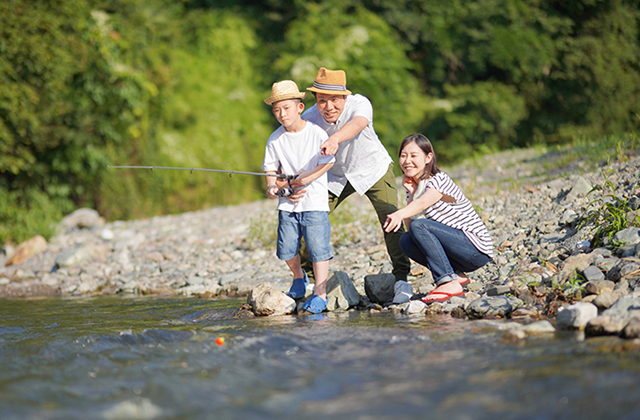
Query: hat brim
329, 92
271, 100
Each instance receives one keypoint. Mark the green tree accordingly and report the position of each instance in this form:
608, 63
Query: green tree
344, 35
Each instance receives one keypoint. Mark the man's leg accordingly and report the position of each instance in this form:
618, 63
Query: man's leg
384, 197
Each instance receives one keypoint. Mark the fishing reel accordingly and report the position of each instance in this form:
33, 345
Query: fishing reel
287, 191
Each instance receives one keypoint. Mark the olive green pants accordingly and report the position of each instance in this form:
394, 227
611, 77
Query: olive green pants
383, 195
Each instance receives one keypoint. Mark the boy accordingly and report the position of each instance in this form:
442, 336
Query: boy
294, 149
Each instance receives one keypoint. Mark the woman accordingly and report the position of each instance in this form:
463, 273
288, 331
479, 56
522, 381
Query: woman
444, 232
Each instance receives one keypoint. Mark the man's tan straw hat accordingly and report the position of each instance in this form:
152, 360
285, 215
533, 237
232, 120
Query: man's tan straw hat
332, 82
287, 89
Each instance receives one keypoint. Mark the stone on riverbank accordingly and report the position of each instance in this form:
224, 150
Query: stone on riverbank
27, 249
576, 316
379, 287
492, 306
82, 219
341, 293
265, 300
624, 312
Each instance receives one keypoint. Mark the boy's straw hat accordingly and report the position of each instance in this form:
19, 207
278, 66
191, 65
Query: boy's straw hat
332, 82
287, 89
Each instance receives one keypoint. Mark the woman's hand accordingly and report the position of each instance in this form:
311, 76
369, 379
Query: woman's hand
409, 184
393, 222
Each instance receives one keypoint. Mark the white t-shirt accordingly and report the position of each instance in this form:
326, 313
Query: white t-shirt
292, 153
458, 214
362, 160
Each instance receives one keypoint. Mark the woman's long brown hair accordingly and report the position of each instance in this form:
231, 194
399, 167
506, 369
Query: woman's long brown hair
423, 143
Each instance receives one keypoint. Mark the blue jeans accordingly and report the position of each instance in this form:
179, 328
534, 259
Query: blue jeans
313, 226
444, 250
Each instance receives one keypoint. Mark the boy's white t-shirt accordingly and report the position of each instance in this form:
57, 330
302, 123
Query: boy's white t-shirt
292, 153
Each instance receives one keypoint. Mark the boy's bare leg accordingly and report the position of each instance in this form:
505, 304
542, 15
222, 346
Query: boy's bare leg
321, 273
296, 268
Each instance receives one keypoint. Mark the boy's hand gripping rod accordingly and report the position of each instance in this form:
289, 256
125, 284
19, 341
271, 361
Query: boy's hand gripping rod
283, 192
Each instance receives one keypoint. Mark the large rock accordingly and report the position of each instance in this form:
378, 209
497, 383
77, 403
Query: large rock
265, 300
624, 312
576, 316
341, 293
493, 306
623, 269
580, 188
379, 287
72, 257
629, 236
82, 218
27, 249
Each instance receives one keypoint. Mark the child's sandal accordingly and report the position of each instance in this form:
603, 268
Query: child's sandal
315, 305
299, 287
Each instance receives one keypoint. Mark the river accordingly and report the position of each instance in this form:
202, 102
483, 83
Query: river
153, 358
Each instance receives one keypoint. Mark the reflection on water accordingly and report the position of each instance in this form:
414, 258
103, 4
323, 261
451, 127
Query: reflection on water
119, 358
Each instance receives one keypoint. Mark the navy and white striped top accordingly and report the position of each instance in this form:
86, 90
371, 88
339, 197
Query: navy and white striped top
458, 214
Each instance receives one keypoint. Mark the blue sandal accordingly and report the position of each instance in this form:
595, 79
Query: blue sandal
299, 287
315, 305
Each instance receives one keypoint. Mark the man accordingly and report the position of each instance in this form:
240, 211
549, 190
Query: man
362, 163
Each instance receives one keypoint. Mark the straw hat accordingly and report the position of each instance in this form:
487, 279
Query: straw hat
332, 82
287, 89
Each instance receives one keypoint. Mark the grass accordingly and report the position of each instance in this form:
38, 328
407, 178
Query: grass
606, 214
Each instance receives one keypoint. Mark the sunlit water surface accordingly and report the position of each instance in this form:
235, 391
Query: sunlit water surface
131, 358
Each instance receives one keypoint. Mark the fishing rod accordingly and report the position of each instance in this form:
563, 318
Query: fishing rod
282, 192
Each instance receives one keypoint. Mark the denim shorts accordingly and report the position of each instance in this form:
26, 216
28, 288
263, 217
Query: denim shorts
313, 226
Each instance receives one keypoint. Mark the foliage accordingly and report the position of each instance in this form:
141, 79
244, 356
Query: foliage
606, 214
88, 83
571, 68
64, 97
212, 116
344, 35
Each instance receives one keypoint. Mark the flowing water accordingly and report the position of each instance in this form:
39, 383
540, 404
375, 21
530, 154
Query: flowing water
151, 358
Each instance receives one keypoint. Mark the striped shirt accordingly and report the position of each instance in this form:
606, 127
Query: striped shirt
458, 214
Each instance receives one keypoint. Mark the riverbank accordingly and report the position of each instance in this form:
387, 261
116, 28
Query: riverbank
533, 211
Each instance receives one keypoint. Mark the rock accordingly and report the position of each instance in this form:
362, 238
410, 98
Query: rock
82, 218
607, 299
576, 316
606, 325
72, 257
568, 217
551, 238
7, 250
493, 290
632, 329
492, 306
596, 287
616, 318
415, 307
155, 256
379, 287
107, 234
539, 327
575, 262
341, 293
628, 236
27, 249
265, 300
580, 188
593, 274
622, 269
129, 239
